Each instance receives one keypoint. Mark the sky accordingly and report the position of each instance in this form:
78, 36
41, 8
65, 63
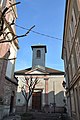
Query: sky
48, 18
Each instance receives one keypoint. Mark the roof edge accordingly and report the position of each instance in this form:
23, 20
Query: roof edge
64, 26
39, 46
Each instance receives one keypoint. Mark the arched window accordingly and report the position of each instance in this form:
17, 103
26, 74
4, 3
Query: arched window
38, 55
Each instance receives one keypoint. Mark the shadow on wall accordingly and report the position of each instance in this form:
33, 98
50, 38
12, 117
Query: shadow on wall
55, 103
20, 103
59, 97
8, 85
56, 98
3, 66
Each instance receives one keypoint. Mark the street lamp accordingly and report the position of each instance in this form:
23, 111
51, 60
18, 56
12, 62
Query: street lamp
64, 84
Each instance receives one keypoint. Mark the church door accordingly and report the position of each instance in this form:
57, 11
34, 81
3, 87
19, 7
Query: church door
36, 100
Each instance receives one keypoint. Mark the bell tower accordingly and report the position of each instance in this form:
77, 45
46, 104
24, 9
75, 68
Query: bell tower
38, 55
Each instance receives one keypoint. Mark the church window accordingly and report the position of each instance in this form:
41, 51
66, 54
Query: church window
38, 54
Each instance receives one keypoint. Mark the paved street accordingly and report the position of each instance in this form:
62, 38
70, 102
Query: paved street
15, 117
40, 116
49, 116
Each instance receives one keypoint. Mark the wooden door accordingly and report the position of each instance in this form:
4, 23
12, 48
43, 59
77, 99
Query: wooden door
36, 100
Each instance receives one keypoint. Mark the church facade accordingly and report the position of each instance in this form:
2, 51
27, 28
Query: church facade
49, 91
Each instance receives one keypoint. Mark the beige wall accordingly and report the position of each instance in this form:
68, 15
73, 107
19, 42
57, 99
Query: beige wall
54, 83
71, 56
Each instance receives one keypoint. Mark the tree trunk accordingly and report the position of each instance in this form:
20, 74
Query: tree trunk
26, 106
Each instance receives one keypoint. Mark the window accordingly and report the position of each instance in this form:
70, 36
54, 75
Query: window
11, 63
65, 57
73, 64
70, 74
69, 39
38, 54
3, 3
71, 31
78, 3
73, 22
73, 18
77, 50
68, 52
72, 100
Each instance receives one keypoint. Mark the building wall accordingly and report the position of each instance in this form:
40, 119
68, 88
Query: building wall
47, 86
56, 90
8, 84
11, 63
20, 100
71, 56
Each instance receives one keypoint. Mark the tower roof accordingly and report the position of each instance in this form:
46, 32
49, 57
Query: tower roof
39, 46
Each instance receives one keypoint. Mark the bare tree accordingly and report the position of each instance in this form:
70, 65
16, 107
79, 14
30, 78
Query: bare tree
30, 84
8, 25
15, 36
2, 18
3, 29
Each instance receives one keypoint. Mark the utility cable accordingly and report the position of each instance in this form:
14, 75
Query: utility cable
38, 33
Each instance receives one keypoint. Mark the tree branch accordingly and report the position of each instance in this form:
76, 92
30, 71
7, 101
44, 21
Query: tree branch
7, 59
6, 9
18, 36
31, 86
3, 15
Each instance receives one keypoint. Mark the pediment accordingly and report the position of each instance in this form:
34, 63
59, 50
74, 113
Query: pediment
36, 71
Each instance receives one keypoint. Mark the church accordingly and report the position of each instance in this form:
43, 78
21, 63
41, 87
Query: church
49, 91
